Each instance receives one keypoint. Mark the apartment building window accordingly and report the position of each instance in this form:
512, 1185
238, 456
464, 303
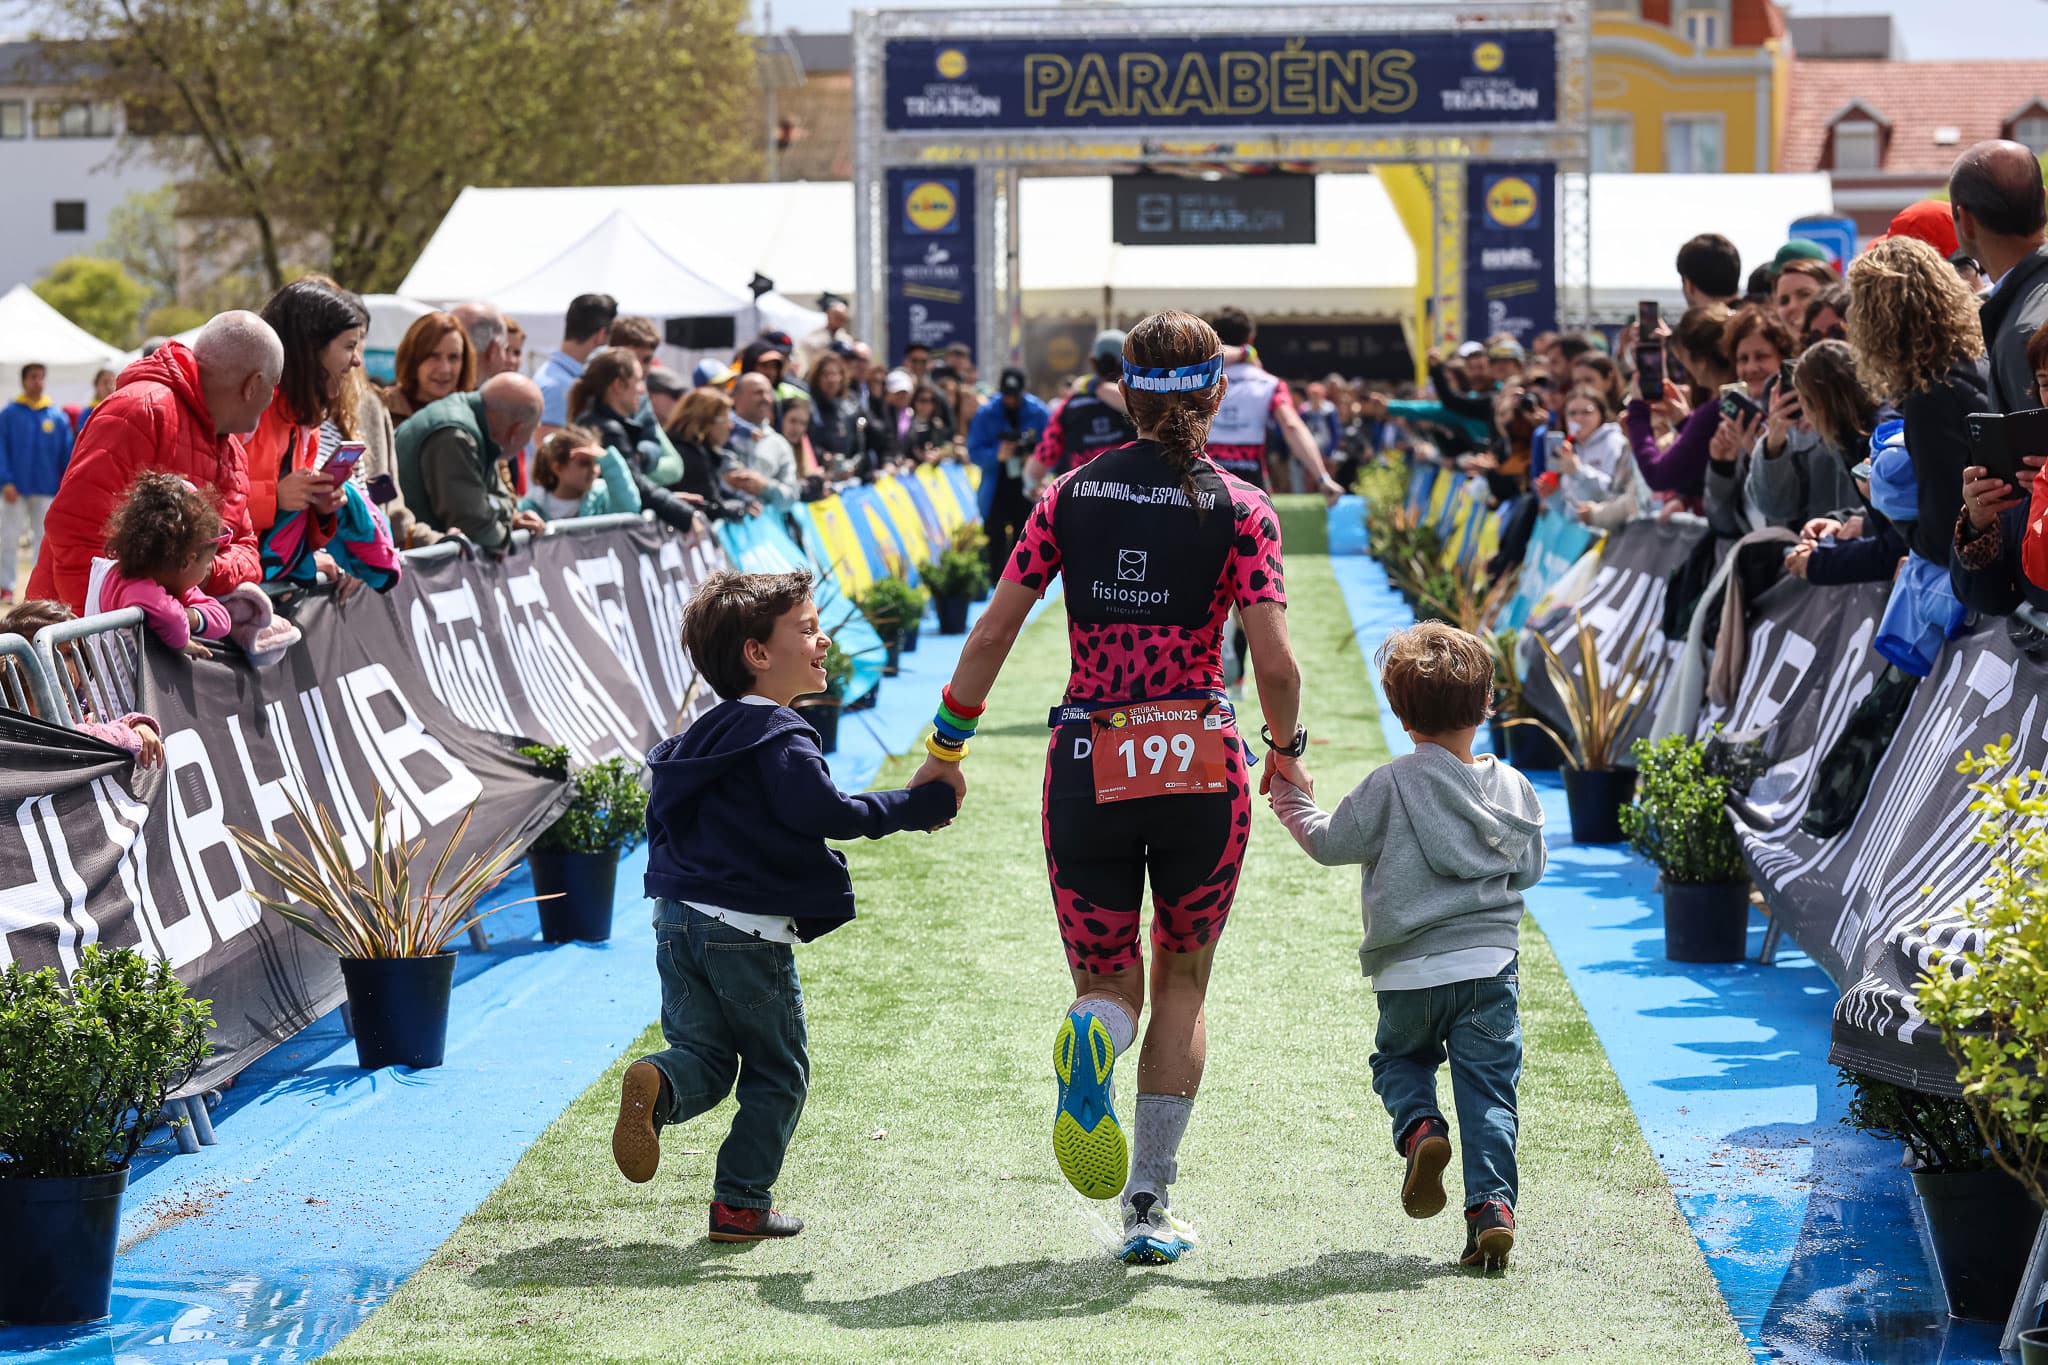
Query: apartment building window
70, 215
2032, 131
1614, 145
1692, 145
1703, 27
74, 118
1858, 146
13, 119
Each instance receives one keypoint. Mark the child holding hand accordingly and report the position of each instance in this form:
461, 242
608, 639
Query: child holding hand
161, 542
1448, 841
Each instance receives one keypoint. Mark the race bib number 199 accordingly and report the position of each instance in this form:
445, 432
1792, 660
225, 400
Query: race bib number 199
1171, 748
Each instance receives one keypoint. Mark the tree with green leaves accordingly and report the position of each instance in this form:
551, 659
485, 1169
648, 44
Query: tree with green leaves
142, 234
340, 131
99, 295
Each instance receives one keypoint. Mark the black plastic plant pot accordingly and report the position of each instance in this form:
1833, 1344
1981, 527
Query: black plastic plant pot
1596, 796
1497, 740
893, 660
907, 642
1706, 921
57, 1239
1533, 751
981, 593
586, 883
399, 1008
2034, 1347
1982, 1226
824, 718
952, 613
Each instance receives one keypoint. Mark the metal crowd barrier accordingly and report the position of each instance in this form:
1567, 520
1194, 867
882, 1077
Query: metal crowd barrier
24, 686
94, 665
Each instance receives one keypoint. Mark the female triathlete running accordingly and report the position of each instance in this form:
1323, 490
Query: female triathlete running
1146, 773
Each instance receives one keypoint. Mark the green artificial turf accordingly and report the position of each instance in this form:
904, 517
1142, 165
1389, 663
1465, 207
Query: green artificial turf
939, 1227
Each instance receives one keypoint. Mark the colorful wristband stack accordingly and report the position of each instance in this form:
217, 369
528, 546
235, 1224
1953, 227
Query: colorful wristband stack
952, 727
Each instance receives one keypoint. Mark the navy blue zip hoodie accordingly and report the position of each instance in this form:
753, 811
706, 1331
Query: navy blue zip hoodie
742, 806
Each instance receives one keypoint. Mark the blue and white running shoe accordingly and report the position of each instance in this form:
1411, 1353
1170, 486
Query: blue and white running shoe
1152, 1236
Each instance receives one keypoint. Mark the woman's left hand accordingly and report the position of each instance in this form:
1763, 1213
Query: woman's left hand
345, 584
1289, 769
1784, 414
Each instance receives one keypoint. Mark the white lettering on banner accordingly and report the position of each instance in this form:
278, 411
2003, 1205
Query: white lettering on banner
606, 612
343, 800
662, 596
41, 900
457, 660
553, 672
1790, 655
126, 821
199, 828
273, 799
391, 746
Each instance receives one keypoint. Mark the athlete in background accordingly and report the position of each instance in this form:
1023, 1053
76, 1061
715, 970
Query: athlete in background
1090, 419
1146, 776
1257, 401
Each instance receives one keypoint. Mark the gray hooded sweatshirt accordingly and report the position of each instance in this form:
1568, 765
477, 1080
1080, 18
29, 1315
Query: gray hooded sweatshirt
1447, 850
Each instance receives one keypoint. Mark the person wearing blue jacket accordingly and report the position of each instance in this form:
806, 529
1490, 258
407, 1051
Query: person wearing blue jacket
575, 474
35, 449
1000, 439
739, 868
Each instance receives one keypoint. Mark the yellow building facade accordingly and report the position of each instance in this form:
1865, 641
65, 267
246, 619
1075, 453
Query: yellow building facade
1664, 103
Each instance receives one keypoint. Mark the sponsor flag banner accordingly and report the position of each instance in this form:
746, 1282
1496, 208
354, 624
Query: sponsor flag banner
1510, 260
932, 270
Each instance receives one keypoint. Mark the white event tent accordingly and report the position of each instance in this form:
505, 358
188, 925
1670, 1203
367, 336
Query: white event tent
32, 332
801, 236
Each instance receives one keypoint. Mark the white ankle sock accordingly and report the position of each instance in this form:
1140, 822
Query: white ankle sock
1162, 1121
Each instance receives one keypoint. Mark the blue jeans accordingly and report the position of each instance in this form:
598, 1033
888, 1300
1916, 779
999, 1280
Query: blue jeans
1478, 1025
731, 1009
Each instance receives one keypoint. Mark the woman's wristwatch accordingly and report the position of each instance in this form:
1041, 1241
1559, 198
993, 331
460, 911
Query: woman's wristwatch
1294, 750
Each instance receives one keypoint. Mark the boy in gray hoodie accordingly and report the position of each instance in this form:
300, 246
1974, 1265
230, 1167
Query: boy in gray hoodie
1448, 843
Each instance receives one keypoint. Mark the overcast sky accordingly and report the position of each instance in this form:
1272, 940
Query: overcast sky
1932, 28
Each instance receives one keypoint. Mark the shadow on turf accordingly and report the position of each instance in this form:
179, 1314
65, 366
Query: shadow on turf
1022, 1291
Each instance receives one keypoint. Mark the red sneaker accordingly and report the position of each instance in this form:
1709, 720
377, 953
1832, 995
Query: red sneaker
1489, 1235
1428, 1149
729, 1224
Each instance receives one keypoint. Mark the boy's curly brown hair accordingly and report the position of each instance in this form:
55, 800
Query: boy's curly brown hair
162, 524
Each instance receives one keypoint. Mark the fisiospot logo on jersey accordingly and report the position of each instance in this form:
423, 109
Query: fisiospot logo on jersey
1131, 597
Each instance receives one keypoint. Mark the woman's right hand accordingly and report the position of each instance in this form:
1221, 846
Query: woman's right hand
1986, 496
1820, 526
1672, 406
304, 488
1288, 769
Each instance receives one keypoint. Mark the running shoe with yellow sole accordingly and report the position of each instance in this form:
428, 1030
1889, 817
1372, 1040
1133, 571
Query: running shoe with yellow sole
1087, 1141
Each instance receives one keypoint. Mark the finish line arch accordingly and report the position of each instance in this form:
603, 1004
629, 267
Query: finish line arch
1477, 116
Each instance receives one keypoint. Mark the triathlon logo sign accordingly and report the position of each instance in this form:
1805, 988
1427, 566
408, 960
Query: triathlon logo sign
1510, 275
932, 268
1507, 78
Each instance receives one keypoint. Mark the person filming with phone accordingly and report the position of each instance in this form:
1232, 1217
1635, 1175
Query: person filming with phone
1677, 467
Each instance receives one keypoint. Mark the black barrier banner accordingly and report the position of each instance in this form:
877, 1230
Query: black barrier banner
1625, 600
420, 696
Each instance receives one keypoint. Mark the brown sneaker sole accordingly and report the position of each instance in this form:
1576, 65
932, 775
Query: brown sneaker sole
1422, 1193
718, 1236
1492, 1251
636, 1146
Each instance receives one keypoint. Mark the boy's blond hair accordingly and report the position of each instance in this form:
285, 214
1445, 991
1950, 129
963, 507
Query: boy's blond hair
1438, 679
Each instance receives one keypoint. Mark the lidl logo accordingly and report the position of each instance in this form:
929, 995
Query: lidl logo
932, 206
952, 63
1488, 57
1119, 720
1510, 202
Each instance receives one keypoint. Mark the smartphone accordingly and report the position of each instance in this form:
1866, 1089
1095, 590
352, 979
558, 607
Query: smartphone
1646, 319
1785, 377
1650, 370
1999, 441
342, 460
1553, 441
1736, 404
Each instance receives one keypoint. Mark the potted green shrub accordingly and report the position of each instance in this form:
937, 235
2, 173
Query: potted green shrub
1601, 704
575, 862
1978, 1217
1680, 822
972, 540
85, 1071
1507, 689
892, 607
1987, 997
390, 928
955, 578
823, 709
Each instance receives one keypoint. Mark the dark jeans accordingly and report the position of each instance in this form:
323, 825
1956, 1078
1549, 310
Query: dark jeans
732, 1007
1478, 1025
1007, 512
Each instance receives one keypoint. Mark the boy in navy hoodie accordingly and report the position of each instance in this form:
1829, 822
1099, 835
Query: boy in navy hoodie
739, 870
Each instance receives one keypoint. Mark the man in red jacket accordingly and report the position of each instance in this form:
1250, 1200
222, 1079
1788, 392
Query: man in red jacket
177, 411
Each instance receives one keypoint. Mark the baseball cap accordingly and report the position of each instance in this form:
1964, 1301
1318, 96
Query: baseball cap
1470, 349
1930, 220
661, 379
707, 374
1799, 249
1505, 350
1109, 342
899, 381
827, 299
1013, 380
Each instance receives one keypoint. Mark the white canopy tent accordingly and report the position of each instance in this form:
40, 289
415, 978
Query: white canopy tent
1363, 264
32, 332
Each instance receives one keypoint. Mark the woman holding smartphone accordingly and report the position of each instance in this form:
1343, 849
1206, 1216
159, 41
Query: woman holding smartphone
1678, 468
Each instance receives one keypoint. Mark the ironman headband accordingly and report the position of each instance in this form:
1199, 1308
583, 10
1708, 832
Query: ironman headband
1178, 379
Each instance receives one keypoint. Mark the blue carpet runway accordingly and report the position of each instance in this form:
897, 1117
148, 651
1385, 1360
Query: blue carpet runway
1811, 1229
